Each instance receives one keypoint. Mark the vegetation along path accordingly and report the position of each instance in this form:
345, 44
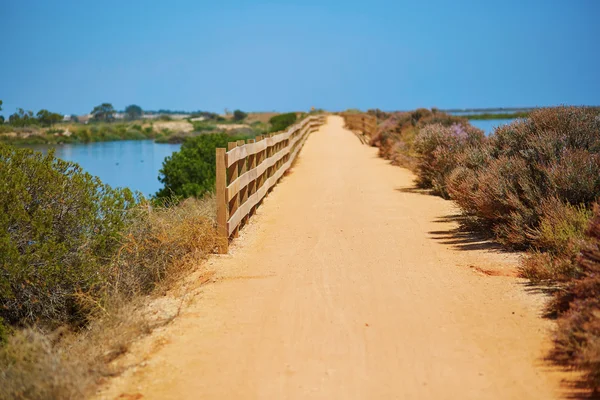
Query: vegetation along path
350, 284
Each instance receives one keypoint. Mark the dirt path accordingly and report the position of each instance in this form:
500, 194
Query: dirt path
348, 284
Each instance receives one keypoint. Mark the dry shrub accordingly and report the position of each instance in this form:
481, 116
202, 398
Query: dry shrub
556, 243
34, 368
379, 114
161, 244
396, 135
159, 247
66, 365
577, 341
562, 227
440, 150
541, 267
390, 138
553, 154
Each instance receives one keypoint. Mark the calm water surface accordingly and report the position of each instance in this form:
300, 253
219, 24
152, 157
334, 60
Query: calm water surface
130, 163
488, 125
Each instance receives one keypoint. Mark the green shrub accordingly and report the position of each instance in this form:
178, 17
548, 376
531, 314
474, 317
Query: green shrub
282, 121
561, 227
162, 243
4, 332
239, 115
556, 243
577, 341
174, 138
190, 172
58, 224
203, 126
119, 129
83, 134
133, 135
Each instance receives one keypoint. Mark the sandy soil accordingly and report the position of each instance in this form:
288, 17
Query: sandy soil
175, 126
350, 284
229, 127
261, 116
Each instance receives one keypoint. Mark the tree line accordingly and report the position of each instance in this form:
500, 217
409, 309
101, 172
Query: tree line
104, 112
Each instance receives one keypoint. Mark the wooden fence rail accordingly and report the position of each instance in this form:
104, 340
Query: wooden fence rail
246, 172
363, 125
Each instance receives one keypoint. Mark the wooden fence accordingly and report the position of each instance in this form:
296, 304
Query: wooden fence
363, 125
247, 171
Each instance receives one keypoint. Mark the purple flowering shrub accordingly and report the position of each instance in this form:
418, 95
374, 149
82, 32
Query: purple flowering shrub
396, 133
554, 154
439, 149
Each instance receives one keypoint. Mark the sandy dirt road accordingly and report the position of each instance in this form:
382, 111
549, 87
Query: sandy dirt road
348, 284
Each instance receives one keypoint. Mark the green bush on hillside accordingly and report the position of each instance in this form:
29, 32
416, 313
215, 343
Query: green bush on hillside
190, 172
239, 115
57, 226
577, 337
282, 121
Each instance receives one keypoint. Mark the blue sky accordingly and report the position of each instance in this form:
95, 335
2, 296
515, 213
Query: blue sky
68, 56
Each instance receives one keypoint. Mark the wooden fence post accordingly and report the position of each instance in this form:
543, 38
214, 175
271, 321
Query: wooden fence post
243, 167
241, 162
232, 175
260, 157
222, 206
252, 184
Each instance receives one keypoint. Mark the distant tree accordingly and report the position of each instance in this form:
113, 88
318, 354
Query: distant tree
74, 118
1, 119
282, 121
104, 112
22, 118
47, 118
133, 112
0, 105
14, 119
43, 117
239, 115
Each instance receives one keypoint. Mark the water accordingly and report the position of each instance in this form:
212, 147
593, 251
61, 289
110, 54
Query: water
129, 163
488, 125
476, 112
